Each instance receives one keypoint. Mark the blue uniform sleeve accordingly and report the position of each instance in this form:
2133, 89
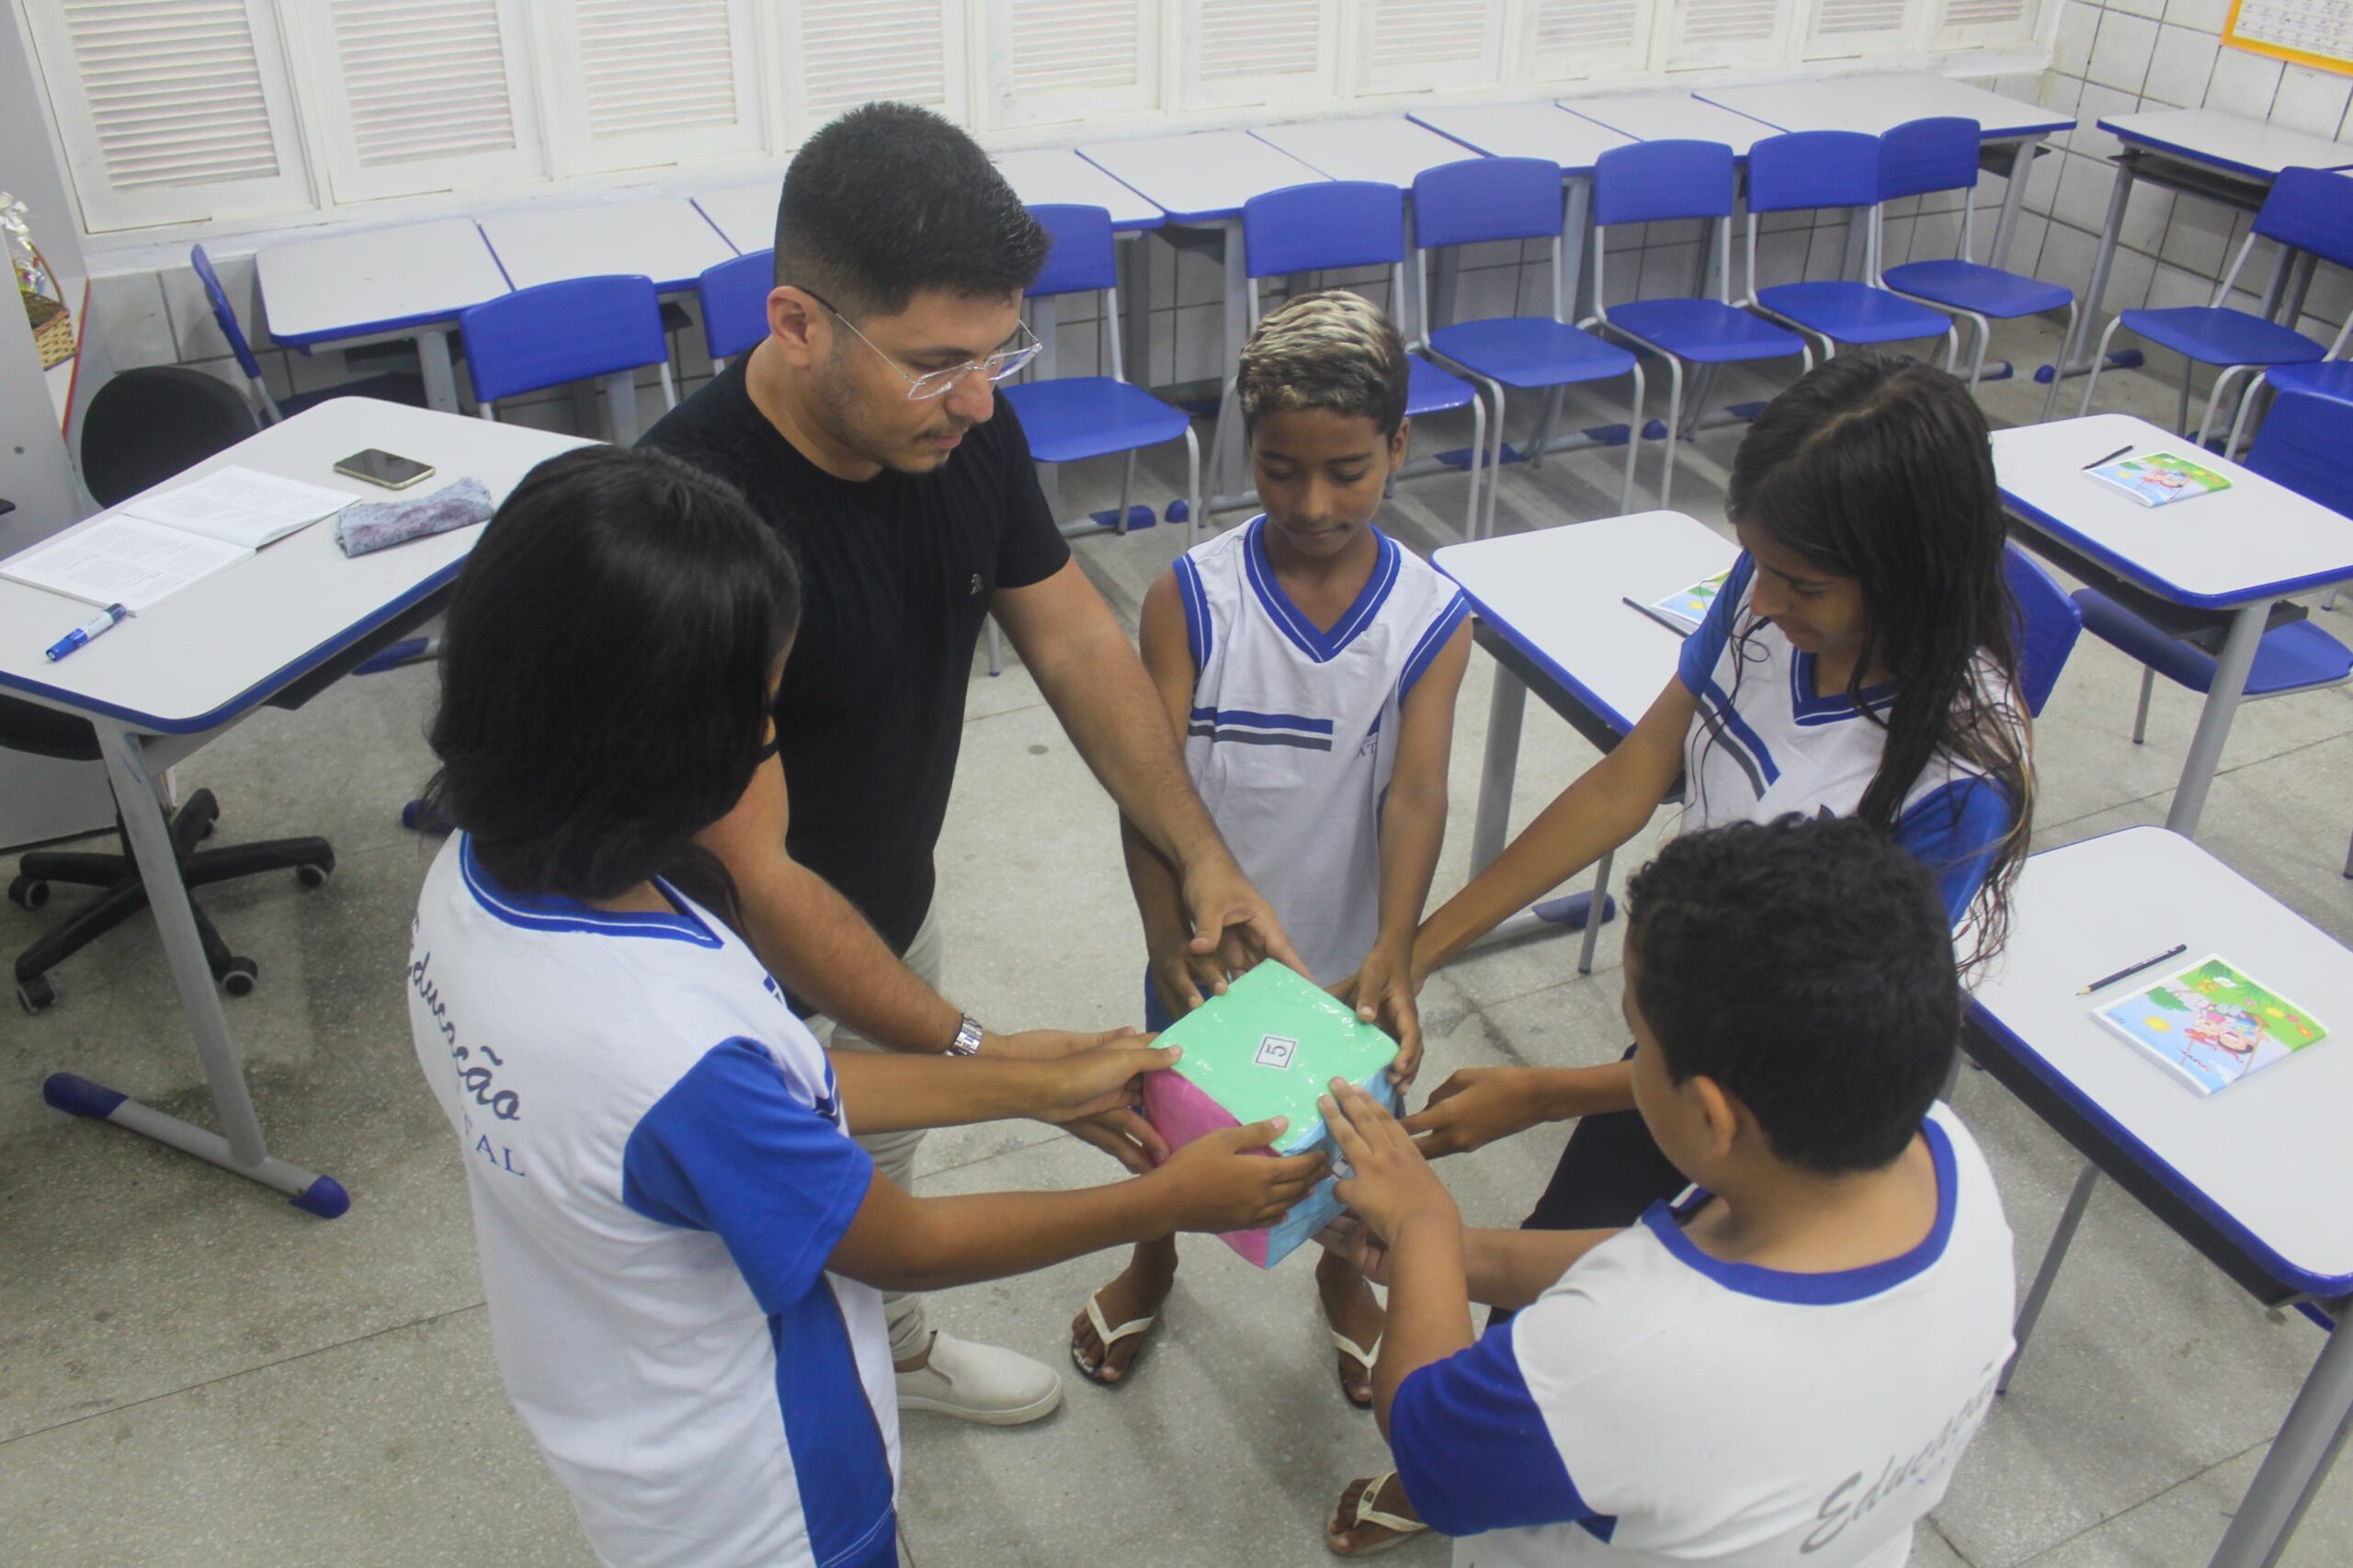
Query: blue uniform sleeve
1954, 831
731, 1150
1703, 648
1472, 1448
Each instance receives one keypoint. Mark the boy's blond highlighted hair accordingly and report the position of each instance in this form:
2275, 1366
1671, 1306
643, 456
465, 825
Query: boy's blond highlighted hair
1331, 350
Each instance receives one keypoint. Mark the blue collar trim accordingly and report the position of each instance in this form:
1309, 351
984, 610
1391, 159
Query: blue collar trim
556, 912
1319, 645
1810, 706
1816, 1290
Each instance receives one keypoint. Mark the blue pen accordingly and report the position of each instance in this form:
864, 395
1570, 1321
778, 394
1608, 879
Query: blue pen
107, 621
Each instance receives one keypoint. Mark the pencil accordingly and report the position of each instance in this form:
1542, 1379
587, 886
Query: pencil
2129, 970
1660, 616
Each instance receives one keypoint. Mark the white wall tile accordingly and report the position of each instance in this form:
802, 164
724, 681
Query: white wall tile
191, 311
2025, 242
2199, 239
1201, 279
2172, 289
1897, 239
2146, 212
1938, 236
2078, 24
2066, 256
129, 313
1198, 356
2084, 188
1826, 257
2243, 83
2097, 104
2042, 179
2311, 101
2120, 52
1668, 270
2180, 66
2128, 281
2138, 7
1781, 258
2205, 16
2061, 89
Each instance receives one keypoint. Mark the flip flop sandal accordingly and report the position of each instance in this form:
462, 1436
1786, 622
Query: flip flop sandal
1362, 1356
1109, 1337
1403, 1530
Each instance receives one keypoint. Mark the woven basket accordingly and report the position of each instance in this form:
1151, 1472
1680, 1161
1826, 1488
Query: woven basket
51, 322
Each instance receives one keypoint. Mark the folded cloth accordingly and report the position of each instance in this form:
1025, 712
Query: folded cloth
377, 525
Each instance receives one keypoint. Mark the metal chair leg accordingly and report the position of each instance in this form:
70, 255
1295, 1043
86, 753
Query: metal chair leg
1633, 444
2066, 336
2140, 717
1477, 462
2099, 358
1127, 492
1673, 418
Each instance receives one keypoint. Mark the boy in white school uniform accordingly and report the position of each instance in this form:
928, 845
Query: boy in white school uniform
1311, 663
1781, 1368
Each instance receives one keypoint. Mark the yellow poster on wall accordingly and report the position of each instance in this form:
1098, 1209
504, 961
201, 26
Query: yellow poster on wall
2318, 33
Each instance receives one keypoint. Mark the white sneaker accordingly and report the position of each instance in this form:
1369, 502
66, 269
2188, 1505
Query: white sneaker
981, 1382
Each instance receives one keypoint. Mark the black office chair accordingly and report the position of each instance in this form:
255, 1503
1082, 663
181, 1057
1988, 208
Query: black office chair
141, 428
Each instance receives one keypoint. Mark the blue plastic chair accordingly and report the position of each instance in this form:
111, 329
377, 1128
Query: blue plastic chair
1811, 171
733, 296
1338, 223
2308, 209
1072, 417
1661, 182
2047, 627
392, 386
552, 334
2306, 444
1481, 199
1927, 157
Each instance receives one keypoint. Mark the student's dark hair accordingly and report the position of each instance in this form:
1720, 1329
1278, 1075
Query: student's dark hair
604, 674
1804, 965
890, 199
1880, 469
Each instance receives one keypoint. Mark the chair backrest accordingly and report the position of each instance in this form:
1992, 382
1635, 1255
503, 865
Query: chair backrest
1487, 199
1922, 155
734, 300
2306, 444
1340, 222
2310, 210
1803, 169
568, 331
146, 424
1655, 181
2049, 622
1083, 256
222, 313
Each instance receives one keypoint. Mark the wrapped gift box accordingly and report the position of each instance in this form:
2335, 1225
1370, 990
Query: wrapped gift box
1270, 1046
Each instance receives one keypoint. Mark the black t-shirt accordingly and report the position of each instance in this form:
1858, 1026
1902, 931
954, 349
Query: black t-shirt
897, 575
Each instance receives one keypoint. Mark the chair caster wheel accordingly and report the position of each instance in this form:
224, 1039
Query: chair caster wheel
37, 993
313, 875
238, 979
26, 893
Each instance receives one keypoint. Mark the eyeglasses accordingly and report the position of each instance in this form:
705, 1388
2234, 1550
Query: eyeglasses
998, 366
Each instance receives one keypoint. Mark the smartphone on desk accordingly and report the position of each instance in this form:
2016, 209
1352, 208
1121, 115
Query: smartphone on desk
379, 467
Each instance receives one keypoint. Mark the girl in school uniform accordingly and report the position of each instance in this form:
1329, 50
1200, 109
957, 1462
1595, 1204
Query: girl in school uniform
1860, 661
680, 1243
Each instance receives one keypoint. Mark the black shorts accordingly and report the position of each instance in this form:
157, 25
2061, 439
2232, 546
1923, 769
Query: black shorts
1611, 1172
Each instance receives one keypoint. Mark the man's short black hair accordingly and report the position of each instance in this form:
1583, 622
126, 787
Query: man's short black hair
1806, 965
890, 199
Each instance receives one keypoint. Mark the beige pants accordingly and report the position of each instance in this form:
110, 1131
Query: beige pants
894, 1153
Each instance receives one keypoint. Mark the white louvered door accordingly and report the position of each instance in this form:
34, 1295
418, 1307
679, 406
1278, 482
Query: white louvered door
640, 83
421, 96
846, 52
1728, 32
1257, 52
1571, 39
1849, 30
1977, 24
171, 111
1420, 46
1054, 62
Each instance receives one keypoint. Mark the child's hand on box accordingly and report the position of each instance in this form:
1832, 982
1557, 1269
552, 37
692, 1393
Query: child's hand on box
1186, 979
1381, 991
1385, 1182
1219, 1181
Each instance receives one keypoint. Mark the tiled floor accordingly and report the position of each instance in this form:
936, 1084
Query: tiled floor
193, 1373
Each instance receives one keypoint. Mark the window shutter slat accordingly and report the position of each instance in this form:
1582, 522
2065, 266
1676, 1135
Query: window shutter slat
853, 52
442, 66
172, 66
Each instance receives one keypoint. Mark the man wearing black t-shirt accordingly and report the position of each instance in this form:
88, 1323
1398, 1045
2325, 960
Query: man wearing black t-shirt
865, 428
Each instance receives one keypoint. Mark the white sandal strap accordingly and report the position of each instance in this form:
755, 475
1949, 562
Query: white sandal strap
1359, 1353
1369, 1515
1106, 1333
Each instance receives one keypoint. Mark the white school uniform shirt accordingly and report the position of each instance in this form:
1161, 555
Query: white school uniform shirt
1658, 1407
660, 1168
1293, 732
1767, 741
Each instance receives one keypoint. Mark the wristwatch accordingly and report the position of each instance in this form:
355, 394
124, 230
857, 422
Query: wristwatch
968, 1038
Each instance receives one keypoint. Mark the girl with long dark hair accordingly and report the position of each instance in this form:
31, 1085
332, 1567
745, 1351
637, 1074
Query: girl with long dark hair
1861, 660
681, 1245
